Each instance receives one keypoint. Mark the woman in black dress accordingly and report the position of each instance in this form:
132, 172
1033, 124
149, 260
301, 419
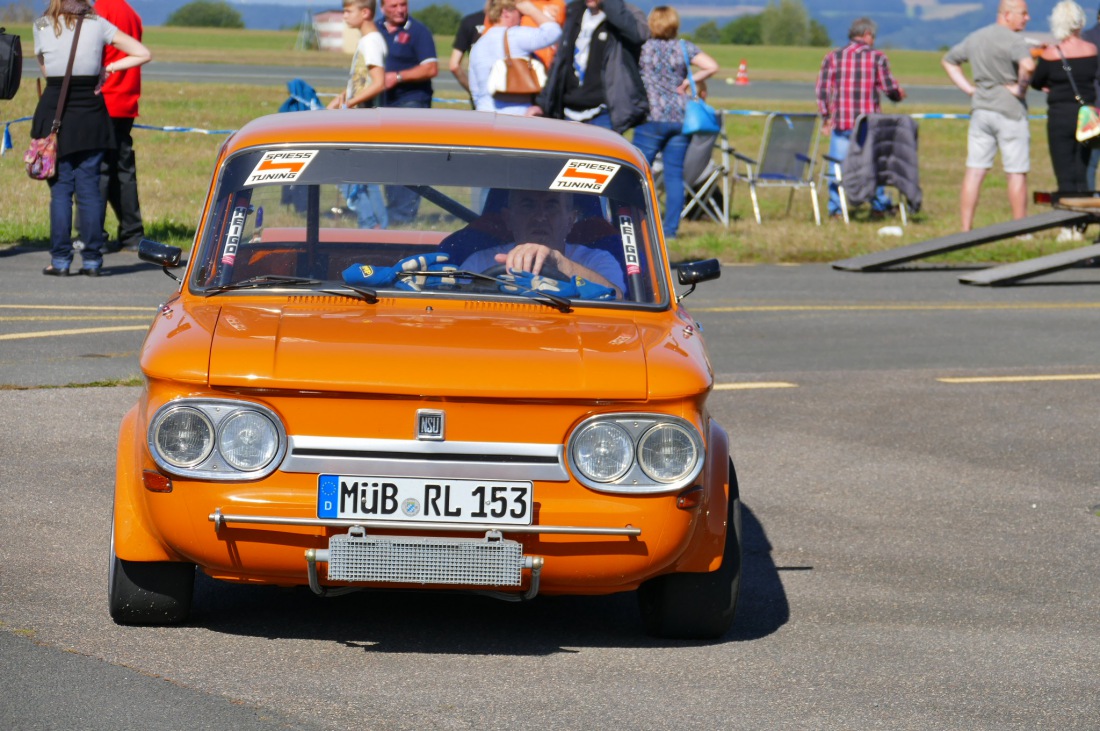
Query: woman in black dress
86, 131
1076, 59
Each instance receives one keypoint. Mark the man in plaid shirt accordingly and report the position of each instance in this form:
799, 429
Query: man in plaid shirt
848, 85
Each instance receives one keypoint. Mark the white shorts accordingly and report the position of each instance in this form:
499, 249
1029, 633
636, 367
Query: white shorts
990, 131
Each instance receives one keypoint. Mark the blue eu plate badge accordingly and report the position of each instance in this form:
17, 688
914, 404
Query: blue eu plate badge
328, 490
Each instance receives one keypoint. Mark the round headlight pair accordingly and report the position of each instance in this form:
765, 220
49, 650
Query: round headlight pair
198, 436
612, 451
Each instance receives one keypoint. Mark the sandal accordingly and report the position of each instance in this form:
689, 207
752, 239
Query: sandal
51, 271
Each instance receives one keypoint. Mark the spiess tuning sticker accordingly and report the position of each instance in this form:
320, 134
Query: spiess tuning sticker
283, 166
584, 176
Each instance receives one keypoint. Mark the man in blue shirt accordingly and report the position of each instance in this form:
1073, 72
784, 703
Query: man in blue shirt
411, 64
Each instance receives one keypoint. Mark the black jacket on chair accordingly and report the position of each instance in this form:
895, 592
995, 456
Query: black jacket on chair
883, 152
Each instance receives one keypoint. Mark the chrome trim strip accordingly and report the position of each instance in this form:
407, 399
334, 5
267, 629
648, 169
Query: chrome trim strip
414, 458
220, 519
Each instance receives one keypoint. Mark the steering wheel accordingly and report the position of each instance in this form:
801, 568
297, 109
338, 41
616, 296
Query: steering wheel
549, 269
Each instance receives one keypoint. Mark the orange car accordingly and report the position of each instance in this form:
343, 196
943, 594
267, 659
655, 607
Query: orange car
479, 379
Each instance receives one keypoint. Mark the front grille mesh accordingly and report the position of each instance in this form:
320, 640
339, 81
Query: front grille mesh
418, 560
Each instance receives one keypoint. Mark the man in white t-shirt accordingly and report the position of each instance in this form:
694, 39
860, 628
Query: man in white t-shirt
366, 82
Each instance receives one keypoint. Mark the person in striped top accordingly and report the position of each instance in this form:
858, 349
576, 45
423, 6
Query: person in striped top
849, 84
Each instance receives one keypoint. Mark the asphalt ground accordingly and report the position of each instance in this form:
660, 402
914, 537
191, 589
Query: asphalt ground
918, 464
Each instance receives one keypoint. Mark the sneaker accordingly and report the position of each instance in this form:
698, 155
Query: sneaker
1025, 237
1069, 234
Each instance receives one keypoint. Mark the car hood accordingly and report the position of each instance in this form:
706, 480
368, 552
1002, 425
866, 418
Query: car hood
480, 350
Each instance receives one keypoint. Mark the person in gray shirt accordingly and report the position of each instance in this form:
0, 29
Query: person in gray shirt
1001, 64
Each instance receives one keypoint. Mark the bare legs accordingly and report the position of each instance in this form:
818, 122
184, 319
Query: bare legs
971, 190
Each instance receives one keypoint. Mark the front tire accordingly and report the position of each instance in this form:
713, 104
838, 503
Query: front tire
697, 606
149, 592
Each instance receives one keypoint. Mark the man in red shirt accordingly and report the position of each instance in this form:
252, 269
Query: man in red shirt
848, 85
121, 91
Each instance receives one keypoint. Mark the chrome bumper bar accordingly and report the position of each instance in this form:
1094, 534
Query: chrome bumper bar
220, 519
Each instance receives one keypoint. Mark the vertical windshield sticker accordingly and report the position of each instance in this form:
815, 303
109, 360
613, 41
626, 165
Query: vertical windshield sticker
282, 166
630, 246
584, 176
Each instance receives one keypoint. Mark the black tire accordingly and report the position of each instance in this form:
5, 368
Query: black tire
152, 592
697, 606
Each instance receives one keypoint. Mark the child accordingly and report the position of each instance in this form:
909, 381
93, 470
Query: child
365, 83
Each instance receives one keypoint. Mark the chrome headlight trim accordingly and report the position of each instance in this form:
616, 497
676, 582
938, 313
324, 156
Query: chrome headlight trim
177, 429
602, 451
218, 413
636, 480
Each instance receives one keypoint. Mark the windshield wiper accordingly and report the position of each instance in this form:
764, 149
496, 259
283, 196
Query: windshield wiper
558, 302
272, 281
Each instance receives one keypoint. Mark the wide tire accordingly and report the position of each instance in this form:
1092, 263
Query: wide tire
153, 592
697, 606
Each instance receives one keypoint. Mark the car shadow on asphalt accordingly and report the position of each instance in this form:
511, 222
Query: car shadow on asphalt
462, 623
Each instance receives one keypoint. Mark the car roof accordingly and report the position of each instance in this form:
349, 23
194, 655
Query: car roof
462, 128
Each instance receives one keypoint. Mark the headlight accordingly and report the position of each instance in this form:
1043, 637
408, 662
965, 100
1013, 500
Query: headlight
248, 440
667, 453
217, 439
603, 451
635, 453
183, 436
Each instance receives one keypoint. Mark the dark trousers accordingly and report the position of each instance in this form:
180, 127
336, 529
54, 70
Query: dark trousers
1069, 157
118, 185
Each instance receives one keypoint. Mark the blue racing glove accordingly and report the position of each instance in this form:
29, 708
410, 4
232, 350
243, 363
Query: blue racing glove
372, 276
574, 287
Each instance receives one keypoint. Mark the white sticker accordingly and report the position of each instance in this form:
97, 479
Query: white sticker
282, 166
584, 176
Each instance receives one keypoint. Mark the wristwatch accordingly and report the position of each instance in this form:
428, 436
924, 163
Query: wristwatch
398, 77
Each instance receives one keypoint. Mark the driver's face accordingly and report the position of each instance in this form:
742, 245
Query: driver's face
540, 217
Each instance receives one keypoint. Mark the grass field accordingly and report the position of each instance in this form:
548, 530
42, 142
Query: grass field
175, 168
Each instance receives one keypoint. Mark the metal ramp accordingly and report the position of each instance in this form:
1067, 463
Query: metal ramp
884, 259
1011, 273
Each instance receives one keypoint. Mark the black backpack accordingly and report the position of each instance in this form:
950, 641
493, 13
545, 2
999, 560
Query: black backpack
11, 64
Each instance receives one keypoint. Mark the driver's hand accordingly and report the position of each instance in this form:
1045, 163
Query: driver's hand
531, 258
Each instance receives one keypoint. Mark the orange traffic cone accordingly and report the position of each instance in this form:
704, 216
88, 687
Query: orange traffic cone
742, 74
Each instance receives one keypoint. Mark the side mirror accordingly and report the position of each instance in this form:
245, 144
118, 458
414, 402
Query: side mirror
693, 272
160, 254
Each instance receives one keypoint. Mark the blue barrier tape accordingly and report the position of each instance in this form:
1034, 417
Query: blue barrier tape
6, 144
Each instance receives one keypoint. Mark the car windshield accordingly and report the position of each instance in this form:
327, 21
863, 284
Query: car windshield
438, 221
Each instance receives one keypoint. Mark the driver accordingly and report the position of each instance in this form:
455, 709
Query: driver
539, 221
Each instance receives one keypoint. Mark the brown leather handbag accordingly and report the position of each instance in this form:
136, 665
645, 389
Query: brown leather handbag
520, 74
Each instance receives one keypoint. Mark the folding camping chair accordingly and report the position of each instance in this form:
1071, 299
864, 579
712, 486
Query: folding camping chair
788, 153
884, 149
708, 192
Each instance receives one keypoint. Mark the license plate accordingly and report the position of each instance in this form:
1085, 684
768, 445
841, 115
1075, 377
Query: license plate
418, 500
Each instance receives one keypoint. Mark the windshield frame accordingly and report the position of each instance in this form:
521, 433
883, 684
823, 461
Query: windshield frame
222, 209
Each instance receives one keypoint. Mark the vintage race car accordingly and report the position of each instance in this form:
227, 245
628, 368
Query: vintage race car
428, 349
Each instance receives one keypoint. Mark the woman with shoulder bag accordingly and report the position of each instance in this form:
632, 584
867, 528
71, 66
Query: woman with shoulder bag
665, 76
86, 132
1067, 71
505, 16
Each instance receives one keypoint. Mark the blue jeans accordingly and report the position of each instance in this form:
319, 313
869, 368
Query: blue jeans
603, 119
839, 142
665, 137
77, 173
1090, 171
369, 205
